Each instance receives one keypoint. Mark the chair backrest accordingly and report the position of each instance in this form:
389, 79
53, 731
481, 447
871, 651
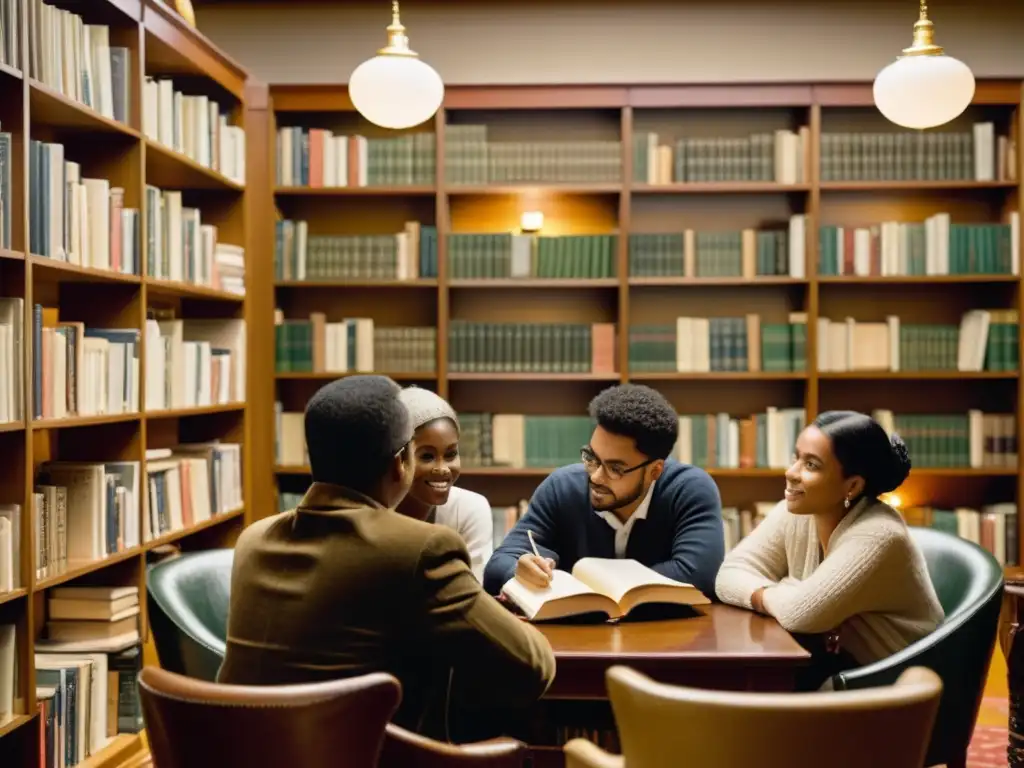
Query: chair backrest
883, 727
198, 724
404, 749
188, 599
969, 583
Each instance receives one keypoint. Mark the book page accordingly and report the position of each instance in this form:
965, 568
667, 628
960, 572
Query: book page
532, 599
614, 578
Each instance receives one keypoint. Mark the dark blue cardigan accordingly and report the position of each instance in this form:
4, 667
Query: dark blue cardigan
681, 538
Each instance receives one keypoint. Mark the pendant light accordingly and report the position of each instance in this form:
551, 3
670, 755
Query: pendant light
395, 89
924, 87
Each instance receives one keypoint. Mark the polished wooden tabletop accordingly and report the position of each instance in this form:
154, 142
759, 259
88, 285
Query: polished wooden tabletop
717, 633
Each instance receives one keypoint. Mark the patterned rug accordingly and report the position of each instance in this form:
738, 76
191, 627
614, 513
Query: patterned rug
988, 747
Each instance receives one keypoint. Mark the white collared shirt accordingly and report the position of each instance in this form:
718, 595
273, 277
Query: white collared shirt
622, 529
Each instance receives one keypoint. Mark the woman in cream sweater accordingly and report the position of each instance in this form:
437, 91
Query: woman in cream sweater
433, 496
831, 562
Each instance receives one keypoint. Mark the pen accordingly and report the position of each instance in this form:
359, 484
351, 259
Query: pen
533, 543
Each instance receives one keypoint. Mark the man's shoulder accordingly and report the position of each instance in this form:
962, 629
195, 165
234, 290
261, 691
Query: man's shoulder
678, 475
263, 529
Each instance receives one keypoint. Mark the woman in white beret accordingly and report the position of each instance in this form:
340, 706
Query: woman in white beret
433, 496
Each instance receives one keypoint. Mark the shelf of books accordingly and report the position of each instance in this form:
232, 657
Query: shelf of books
758, 253
123, 348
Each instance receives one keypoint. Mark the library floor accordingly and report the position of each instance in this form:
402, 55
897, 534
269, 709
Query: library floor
988, 747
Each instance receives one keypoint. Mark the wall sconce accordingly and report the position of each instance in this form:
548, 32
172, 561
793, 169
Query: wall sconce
531, 221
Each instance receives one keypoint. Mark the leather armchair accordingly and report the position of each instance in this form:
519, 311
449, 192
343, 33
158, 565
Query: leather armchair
188, 612
969, 583
188, 600
660, 725
197, 724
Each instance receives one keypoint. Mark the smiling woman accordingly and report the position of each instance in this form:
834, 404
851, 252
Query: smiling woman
433, 496
831, 562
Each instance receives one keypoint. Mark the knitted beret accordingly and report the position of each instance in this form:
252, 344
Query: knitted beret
424, 406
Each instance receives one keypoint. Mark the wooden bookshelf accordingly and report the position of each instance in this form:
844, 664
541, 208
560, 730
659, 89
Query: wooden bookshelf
159, 44
629, 204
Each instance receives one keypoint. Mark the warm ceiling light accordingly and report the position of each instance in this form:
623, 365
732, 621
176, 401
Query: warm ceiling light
395, 89
924, 87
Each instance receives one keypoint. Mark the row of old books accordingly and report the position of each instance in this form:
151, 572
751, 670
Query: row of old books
84, 511
974, 439
781, 156
12, 405
707, 440
195, 126
194, 362
318, 157
77, 60
83, 221
10, 34
748, 253
472, 157
477, 347
945, 155
727, 344
407, 255
79, 370
498, 255
985, 340
190, 484
351, 345
935, 247
85, 371
6, 188
180, 247
86, 667
78, 220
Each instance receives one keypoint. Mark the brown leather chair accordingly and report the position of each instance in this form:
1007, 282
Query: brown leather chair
197, 724
404, 749
885, 727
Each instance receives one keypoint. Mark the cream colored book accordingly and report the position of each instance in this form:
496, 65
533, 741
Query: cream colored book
600, 585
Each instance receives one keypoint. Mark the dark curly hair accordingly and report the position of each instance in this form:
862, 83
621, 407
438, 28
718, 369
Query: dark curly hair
354, 427
862, 447
639, 412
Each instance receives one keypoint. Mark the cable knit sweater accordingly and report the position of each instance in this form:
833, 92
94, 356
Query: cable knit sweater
872, 585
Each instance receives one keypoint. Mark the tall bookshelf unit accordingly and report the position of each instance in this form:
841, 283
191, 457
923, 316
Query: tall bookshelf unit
137, 154
842, 166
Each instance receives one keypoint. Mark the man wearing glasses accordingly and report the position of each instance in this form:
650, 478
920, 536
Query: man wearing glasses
626, 499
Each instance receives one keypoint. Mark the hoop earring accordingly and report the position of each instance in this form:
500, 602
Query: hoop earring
846, 502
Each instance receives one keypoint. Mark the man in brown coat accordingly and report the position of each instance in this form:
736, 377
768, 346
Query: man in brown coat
344, 585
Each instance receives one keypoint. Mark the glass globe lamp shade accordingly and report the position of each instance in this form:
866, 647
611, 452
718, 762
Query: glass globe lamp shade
396, 91
924, 91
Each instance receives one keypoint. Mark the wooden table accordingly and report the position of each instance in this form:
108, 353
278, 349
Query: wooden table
722, 648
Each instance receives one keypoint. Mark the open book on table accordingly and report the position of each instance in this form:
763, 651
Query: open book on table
600, 585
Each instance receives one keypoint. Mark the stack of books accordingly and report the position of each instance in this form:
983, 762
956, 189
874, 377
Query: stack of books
108, 616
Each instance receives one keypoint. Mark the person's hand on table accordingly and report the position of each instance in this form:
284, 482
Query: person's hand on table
757, 600
534, 571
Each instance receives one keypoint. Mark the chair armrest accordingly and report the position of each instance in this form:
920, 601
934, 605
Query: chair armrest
405, 749
929, 651
580, 753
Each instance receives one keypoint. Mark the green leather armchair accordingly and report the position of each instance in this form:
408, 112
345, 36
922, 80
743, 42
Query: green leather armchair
188, 597
969, 583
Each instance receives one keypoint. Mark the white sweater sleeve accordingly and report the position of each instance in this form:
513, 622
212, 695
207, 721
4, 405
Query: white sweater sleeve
475, 524
759, 560
848, 582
